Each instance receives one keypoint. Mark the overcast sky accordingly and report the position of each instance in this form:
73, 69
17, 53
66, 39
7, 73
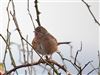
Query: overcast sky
67, 20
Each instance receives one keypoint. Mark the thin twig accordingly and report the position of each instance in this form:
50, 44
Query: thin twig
8, 36
92, 71
7, 9
11, 56
76, 67
84, 67
88, 6
37, 12
71, 54
77, 53
99, 63
17, 28
93, 67
8, 40
99, 57
60, 43
27, 49
30, 13
63, 60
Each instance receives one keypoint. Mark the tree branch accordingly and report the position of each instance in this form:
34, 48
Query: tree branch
60, 43
11, 55
37, 12
92, 71
77, 53
30, 13
84, 67
36, 63
88, 6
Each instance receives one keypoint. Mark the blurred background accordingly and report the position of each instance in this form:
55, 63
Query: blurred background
67, 20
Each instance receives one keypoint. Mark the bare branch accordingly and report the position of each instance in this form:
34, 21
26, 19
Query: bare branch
8, 33
77, 53
7, 9
84, 67
11, 56
36, 63
62, 58
92, 71
37, 12
99, 62
88, 6
68, 61
75, 65
99, 57
60, 43
30, 13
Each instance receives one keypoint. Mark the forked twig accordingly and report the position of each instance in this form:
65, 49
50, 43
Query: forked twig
11, 56
8, 36
77, 53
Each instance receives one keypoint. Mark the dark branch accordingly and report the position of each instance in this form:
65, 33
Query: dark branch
36, 63
37, 12
88, 6
76, 67
59, 43
92, 71
77, 53
84, 67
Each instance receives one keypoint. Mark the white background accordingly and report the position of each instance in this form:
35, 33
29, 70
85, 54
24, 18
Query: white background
66, 20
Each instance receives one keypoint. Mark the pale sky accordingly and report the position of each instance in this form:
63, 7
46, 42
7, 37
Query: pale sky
67, 20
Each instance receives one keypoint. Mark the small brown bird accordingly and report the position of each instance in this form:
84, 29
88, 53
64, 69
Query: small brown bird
43, 42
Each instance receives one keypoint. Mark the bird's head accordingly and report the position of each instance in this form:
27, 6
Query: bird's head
40, 31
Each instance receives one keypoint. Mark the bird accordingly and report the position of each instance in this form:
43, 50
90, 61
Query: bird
44, 43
